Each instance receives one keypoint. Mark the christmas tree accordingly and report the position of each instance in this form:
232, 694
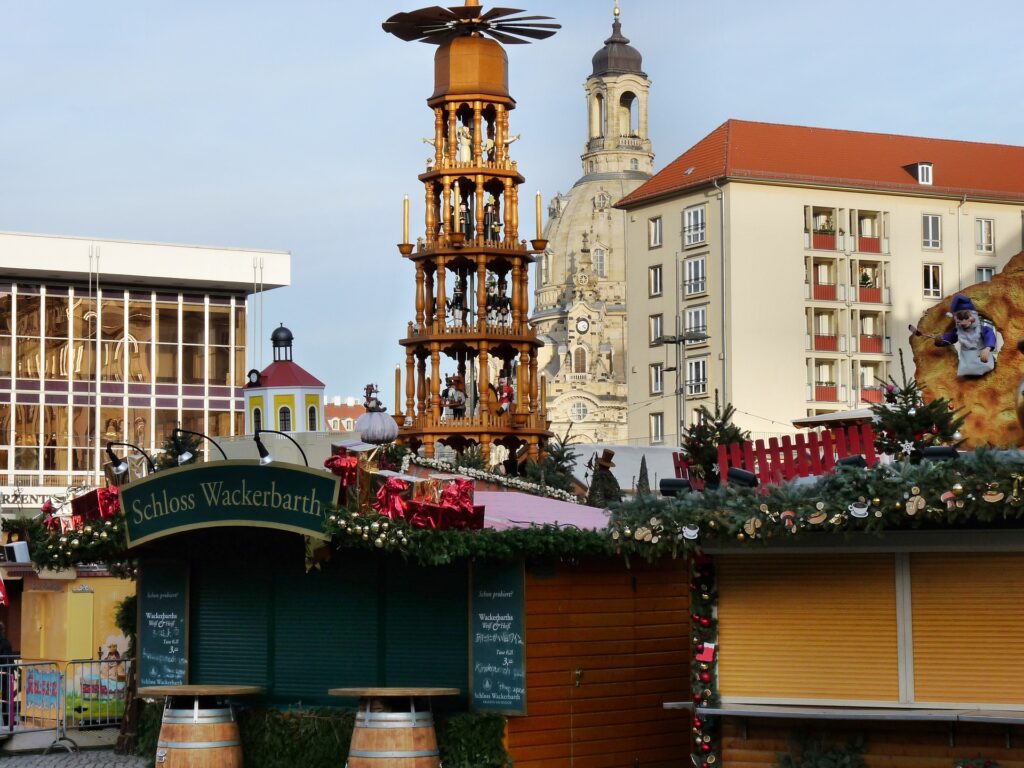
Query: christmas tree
905, 424
168, 456
643, 483
700, 442
555, 468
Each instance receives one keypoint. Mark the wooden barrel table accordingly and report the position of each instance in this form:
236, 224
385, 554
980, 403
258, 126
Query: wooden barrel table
198, 729
390, 732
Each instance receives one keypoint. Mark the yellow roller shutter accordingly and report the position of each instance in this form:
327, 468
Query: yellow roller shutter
968, 625
808, 627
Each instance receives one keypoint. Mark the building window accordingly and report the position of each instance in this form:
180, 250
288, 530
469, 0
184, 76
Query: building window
657, 427
984, 274
695, 280
984, 235
335, 424
257, 420
654, 280
284, 419
348, 424
599, 265
697, 376
579, 360
655, 328
694, 229
932, 235
578, 411
311, 421
933, 281
654, 232
924, 173
634, 164
657, 381
697, 321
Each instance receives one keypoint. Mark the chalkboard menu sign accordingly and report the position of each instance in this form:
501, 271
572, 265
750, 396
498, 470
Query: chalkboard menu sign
498, 663
163, 624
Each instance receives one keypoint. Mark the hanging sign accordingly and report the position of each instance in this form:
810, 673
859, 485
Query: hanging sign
229, 493
498, 665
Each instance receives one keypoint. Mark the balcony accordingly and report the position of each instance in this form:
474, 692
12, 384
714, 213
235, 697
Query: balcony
869, 244
869, 294
824, 291
824, 391
826, 343
870, 343
823, 241
871, 395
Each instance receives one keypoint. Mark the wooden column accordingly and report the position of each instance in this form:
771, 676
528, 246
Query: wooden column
533, 383
515, 296
428, 297
508, 200
441, 295
484, 382
453, 138
481, 292
477, 142
512, 206
438, 137
522, 397
410, 382
447, 213
435, 377
430, 206
419, 294
480, 234
421, 386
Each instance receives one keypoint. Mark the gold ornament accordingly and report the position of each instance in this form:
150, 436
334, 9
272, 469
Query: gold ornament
915, 504
74, 542
958, 489
103, 534
876, 501
817, 518
763, 507
374, 526
820, 505
615, 535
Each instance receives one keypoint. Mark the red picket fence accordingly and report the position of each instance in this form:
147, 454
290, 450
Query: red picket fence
785, 458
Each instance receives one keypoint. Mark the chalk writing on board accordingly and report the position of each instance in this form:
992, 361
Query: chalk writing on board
497, 638
162, 624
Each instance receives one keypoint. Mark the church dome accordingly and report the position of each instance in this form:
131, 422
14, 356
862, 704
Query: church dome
617, 57
282, 337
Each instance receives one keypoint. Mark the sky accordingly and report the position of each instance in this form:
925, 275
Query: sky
297, 125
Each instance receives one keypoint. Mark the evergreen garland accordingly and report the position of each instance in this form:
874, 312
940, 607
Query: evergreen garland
167, 458
700, 442
905, 424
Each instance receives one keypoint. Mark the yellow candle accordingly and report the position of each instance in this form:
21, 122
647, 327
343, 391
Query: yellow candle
539, 221
405, 220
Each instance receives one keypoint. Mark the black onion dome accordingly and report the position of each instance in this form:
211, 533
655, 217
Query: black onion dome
282, 337
618, 56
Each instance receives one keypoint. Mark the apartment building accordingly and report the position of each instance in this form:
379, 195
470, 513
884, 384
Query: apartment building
784, 264
110, 341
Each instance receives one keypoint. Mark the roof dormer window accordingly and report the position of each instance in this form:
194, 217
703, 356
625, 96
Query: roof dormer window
924, 173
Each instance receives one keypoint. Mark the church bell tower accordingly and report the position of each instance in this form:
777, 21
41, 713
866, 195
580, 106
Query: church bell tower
471, 375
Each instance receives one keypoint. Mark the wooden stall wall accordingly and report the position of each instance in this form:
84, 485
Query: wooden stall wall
626, 632
757, 743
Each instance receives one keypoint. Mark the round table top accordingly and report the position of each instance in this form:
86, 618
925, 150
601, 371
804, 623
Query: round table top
385, 692
199, 690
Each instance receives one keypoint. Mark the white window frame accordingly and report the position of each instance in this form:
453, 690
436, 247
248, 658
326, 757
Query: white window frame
931, 281
696, 320
336, 424
697, 376
574, 411
600, 267
984, 274
695, 225
985, 235
695, 278
656, 425
924, 173
654, 232
655, 286
655, 328
931, 240
656, 379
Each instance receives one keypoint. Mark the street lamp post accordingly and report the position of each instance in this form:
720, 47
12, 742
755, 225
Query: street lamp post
679, 340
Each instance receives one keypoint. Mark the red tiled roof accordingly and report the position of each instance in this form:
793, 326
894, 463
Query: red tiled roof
285, 373
767, 151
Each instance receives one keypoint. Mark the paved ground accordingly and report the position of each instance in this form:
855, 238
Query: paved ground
96, 758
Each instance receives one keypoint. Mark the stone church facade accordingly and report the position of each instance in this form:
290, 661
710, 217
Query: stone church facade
580, 290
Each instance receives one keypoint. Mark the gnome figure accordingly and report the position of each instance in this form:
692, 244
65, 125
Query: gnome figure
977, 339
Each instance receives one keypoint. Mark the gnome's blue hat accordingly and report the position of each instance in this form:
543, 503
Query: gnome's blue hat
961, 303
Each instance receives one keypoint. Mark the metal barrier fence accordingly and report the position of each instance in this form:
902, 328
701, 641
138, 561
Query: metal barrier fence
49, 696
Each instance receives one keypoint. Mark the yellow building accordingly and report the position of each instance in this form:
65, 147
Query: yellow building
784, 264
283, 396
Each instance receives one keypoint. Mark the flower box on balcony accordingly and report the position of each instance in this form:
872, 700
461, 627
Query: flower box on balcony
871, 343
873, 295
825, 292
828, 393
826, 343
824, 241
869, 244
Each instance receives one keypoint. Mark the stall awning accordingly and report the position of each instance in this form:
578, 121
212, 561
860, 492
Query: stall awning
504, 510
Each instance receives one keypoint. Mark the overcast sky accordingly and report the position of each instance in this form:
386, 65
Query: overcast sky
297, 125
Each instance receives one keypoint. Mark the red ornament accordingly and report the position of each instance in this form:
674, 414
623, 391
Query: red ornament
696, 617
705, 747
705, 677
705, 765
47, 506
935, 430
697, 723
696, 697
700, 647
705, 622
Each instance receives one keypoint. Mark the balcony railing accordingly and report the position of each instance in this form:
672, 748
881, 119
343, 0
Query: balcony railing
869, 294
578, 378
869, 244
823, 241
824, 391
870, 342
825, 291
826, 343
871, 394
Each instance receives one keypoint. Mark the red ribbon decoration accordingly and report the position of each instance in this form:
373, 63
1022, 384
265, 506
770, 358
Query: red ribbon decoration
109, 502
390, 502
458, 494
343, 466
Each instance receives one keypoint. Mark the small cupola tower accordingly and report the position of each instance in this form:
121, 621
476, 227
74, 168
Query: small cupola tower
283, 396
617, 92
